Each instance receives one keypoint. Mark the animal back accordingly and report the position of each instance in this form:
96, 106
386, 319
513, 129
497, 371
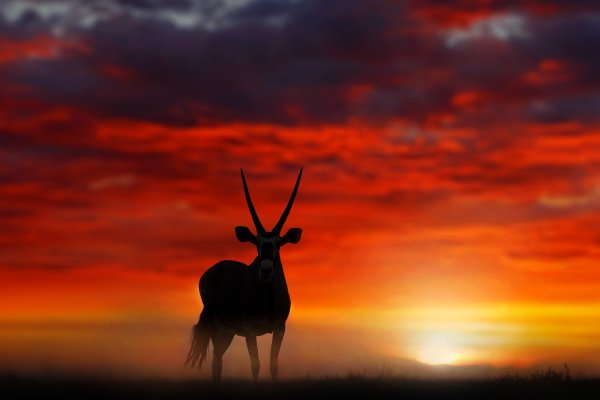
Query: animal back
221, 289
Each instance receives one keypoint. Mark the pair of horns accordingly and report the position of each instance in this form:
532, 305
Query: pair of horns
286, 212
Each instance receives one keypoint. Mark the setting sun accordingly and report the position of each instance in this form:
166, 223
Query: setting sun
436, 355
437, 348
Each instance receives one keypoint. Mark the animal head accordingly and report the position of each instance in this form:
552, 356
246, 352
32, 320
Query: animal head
268, 243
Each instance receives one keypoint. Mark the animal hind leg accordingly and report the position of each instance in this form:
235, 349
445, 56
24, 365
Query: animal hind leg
253, 351
221, 339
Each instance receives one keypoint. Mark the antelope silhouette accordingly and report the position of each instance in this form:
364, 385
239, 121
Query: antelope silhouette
246, 300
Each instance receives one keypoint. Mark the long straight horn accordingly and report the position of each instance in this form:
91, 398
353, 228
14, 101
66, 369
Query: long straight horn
255, 219
286, 212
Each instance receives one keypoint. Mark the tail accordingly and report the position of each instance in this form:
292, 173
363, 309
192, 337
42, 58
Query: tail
201, 333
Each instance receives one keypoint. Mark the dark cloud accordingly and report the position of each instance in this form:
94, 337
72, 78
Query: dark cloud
443, 10
158, 4
582, 108
249, 71
299, 62
27, 25
261, 10
574, 37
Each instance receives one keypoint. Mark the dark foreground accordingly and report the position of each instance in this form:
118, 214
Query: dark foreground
353, 388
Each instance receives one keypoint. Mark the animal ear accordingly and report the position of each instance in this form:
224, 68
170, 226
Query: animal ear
243, 234
292, 236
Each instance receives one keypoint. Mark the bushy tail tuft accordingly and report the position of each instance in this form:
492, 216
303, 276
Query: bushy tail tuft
201, 333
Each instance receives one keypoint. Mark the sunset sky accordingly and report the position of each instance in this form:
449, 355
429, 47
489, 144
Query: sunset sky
450, 200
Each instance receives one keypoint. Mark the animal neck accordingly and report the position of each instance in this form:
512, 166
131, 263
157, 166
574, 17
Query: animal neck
269, 301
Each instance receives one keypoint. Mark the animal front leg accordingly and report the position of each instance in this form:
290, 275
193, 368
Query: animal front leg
275, 347
253, 351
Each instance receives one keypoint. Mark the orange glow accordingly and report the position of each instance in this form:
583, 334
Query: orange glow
550, 72
466, 98
511, 289
41, 47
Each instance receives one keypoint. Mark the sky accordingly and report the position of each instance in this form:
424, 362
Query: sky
449, 202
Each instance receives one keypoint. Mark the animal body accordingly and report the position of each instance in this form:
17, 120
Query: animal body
246, 300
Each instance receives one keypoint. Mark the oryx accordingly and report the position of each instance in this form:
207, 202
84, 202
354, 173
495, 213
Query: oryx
246, 300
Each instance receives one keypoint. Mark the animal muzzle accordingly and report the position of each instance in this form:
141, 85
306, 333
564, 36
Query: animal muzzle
266, 270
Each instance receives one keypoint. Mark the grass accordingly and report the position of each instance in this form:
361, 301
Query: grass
543, 384
549, 375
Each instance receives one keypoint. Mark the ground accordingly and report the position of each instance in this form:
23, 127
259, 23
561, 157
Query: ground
14, 387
